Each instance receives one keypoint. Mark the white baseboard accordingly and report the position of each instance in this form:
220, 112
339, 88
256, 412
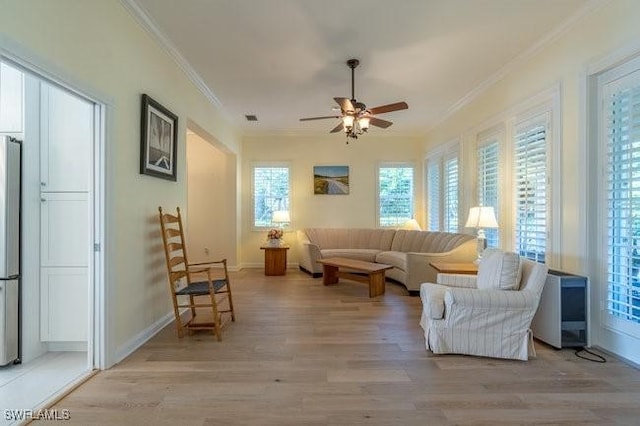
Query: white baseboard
141, 338
67, 346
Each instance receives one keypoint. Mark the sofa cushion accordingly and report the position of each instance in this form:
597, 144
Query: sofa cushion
499, 270
393, 258
351, 238
427, 241
358, 254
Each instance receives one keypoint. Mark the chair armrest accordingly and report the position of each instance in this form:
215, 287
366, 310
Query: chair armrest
309, 253
457, 280
432, 296
492, 299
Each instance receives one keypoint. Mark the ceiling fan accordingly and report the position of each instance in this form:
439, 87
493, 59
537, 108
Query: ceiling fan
355, 116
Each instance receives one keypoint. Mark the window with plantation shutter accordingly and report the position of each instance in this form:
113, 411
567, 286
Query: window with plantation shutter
271, 189
450, 192
395, 195
488, 183
433, 195
621, 137
443, 191
530, 179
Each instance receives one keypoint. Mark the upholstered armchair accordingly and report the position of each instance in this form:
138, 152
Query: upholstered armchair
488, 315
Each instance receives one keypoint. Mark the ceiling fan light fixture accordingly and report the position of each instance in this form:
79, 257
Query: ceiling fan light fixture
355, 117
363, 123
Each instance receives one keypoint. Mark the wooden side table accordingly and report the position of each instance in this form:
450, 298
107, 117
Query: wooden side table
275, 260
467, 268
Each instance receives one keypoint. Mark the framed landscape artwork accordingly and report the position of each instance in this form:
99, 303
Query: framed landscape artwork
331, 180
159, 140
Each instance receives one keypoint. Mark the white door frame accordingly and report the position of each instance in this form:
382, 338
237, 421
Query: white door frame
97, 342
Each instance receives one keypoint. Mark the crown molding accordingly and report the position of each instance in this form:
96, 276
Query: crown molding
145, 21
546, 40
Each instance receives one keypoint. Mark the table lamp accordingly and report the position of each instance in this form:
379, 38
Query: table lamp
280, 218
480, 218
412, 225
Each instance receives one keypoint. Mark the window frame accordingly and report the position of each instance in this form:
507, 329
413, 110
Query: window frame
607, 82
537, 117
438, 158
268, 165
483, 141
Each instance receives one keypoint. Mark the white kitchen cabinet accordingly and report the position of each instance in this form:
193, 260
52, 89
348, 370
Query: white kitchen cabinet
64, 230
64, 308
66, 141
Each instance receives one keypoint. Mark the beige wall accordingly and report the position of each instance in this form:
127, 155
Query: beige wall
211, 221
358, 209
97, 47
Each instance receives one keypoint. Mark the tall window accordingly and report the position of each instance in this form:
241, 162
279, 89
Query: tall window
530, 178
488, 182
621, 137
450, 192
433, 195
395, 194
270, 193
443, 192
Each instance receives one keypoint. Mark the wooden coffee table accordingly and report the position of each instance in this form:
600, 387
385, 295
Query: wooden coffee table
374, 273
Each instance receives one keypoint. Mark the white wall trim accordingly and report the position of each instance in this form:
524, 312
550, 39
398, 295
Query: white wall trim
546, 40
142, 337
145, 21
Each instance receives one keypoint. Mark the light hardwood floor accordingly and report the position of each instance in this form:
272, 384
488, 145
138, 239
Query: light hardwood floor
301, 353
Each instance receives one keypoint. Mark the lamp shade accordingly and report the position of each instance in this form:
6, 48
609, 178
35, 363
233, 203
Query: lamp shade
280, 216
412, 224
481, 217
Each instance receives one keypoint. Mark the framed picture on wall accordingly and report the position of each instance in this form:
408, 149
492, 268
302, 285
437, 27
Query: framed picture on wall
331, 180
159, 140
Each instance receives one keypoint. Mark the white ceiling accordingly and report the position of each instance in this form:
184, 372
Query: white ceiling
285, 59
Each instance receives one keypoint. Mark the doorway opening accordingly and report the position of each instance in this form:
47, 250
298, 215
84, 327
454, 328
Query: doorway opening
61, 284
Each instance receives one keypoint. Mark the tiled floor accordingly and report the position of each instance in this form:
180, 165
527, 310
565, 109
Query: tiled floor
31, 385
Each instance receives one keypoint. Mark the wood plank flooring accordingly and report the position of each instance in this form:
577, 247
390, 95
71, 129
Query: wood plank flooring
301, 353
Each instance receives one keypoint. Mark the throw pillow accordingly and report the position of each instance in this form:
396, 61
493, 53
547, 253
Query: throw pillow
499, 270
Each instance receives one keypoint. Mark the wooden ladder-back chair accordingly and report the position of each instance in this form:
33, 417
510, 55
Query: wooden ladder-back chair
207, 283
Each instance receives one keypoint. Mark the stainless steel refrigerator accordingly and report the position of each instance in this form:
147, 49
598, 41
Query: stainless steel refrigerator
9, 249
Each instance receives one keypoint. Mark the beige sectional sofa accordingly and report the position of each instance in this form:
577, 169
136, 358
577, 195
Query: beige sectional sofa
409, 252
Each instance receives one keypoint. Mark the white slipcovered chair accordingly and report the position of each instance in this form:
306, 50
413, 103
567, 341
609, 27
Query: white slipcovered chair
488, 315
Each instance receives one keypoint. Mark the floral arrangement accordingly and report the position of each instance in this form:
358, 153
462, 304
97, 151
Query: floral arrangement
274, 234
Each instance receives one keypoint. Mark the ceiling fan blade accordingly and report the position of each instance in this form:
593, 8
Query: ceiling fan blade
345, 104
388, 108
319, 118
337, 129
379, 123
